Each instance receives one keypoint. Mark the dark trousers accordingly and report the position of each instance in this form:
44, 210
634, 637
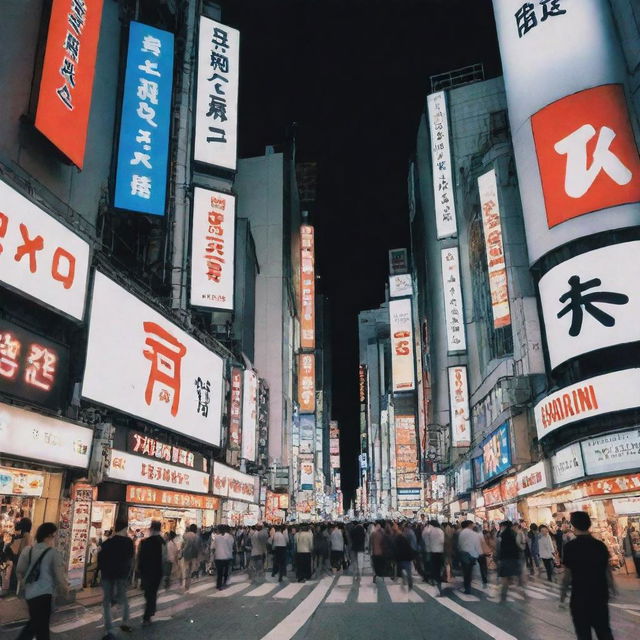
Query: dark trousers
39, 616
636, 561
150, 587
436, 568
548, 565
280, 562
222, 572
482, 563
379, 565
467, 571
588, 615
303, 566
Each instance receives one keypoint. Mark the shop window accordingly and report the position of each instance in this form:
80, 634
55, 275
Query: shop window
492, 343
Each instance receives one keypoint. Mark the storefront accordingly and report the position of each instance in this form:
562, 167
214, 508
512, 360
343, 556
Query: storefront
501, 502
239, 494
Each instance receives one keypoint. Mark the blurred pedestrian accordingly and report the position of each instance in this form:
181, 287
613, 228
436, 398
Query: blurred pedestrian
304, 549
152, 557
191, 548
223, 555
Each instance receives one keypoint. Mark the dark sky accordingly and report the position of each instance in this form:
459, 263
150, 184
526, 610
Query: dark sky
353, 75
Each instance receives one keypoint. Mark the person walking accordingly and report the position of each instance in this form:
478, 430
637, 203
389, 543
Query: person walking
171, 568
426, 552
358, 536
337, 548
546, 550
258, 537
377, 545
152, 556
435, 543
469, 550
483, 558
279, 542
403, 555
41, 571
223, 555
114, 563
190, 554
321, 548
509, 554
587, 570
304, 549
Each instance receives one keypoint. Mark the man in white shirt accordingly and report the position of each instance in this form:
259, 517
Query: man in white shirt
469, 550
223, 554
279, 542
434, 542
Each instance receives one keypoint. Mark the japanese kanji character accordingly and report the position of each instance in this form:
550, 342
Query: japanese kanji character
64, 93
79, 7
220, 135
141, 158
67, 70
220, 38
526, 18
147, 113
150, 68
203, 389
76, 22
551, 8
29, 247
141, 186
577, 301
9, 351
165, 354
4, 225
218, 85
217, 108
67, 278
41, 367
148, 90
219, 62
144, 138
72, 45
152, 45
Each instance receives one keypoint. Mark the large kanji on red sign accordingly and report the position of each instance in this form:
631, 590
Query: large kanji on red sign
586, 152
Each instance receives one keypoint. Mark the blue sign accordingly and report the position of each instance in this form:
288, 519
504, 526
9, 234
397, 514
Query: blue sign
478, 471
143, 150
496, 452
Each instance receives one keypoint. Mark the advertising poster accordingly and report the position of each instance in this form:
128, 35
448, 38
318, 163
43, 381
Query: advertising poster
307, 288
80, 523
459, 406
235, 409
402, 354
453, 302
612, 452
496, 452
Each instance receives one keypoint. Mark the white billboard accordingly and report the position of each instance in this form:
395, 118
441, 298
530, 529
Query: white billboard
564, 77
217, 95
533, 479
141, 363
592, 301
612, 452
249, 414
32, 435
127, 467
453, 303
459, 406
567, 465
231, 483
496, 262
402, 360
40, 257
609, 392
443, 185
400, 285
212, 249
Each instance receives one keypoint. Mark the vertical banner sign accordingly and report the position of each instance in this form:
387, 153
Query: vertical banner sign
64, 101
494, 247
441, 163
308, 288
307, 382
235, 409
402, 360
453, 303
217, 95
459, 406
143, 149
212, 249
80, 521
249, 415
577, 159
406, 453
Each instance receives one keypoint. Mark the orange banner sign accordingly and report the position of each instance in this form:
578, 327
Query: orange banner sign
307, 382
307, 288
162, 498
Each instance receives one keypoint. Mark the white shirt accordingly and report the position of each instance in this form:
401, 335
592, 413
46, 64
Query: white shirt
468, 541
545, 545
425, 538
224, 547
280, 539
435, 540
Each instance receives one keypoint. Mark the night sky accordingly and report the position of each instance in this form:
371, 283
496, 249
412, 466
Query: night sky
353, 76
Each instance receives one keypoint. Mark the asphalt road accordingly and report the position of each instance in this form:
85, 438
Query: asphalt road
341, 608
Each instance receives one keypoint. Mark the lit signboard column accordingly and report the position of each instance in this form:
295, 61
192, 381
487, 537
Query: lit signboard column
577, 159
143, 150
235, 409
217, 95
64, 101
496, 264
213, 249
459, 406
307, 382
307, 288
402, 358
453, 303
249, 415
443, 186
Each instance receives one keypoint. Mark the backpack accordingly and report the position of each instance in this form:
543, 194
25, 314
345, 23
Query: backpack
33, 574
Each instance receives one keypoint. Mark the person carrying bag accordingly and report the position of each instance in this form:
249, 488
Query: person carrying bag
41, 575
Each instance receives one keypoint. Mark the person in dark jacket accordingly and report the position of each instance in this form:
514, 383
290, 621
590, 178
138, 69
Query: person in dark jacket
114, 563
357, 549
151, 561
509, 562
403, 553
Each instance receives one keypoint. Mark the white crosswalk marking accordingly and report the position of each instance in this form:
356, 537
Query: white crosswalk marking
262, 590
340, 591
398, 593
367, 593
466, 597
534, 594
229, 591
83, 620
201, 587
289, 591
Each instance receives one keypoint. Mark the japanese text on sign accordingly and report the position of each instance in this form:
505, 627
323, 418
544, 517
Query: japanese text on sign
529, 16
152, 448
459, 406
441, 165
307, 288
143, 150
217, 96
453, 304
249, 414
307, 382
235, 409
402, 354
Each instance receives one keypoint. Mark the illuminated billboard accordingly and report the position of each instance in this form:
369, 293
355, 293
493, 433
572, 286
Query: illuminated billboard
249, 414
213, 249
217, 95
141, 363
307, 382
307, 288
145, 123
453, 302
68, 70
401, 330
459, 406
